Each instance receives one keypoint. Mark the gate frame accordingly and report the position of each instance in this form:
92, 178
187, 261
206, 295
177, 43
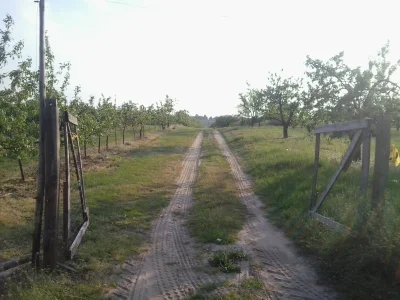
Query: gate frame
362, 136
71, 248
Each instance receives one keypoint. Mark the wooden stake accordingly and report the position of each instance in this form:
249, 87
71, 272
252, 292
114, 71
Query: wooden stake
381, 169
316, 167
52, 181
66, 192
366, 157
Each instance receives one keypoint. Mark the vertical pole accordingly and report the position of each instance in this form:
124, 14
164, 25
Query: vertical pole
366, 157
316, 166
381, 169
66, 192
52, 181
41, 168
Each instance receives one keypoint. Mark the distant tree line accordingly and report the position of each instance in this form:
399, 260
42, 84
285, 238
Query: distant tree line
19, 104
330, 92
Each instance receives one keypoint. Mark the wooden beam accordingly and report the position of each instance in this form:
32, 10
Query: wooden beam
316, 167
66, 192
345, 126
331, 223
78, 239
14, 263
52, 180
382, 152
366, 157
338, 171
72, 119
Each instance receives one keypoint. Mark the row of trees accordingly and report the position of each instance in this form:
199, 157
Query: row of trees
330, 92
19, 104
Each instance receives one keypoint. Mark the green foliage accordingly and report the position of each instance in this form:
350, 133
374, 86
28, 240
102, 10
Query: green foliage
227, 260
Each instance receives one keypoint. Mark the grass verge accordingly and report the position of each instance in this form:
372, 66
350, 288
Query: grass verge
362, 267
123, 197
217, 215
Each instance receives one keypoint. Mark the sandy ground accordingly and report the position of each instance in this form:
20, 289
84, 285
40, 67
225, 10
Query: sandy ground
173, 266
283, 271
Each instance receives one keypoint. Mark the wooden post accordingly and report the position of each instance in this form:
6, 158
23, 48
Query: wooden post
381, 169
66, 191
52, 180
366, 157
339, 170
37, 233
316, 166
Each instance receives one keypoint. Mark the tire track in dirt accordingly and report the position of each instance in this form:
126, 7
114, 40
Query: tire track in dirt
283, 272
168, 270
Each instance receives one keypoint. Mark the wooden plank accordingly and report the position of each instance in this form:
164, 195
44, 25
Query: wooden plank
66, 193
52, 179
78, 171
338, 171
366, 157
14, 263
82, 185
78, 238
381, 169
331, 223
72, 119
345, 126
316, 167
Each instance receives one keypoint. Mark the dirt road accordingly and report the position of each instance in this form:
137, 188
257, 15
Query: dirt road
283, 271
173, 267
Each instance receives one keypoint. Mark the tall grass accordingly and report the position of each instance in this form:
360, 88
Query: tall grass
363, 266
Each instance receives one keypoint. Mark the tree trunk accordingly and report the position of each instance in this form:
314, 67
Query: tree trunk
115, 136
98, 149
107, 142
21, 169
285, 131
143, 130
123, 137
398, 127
84, 148
134, 135
252, 121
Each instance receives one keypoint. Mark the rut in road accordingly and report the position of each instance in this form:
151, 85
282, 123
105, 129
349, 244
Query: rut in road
283, 271
168, 270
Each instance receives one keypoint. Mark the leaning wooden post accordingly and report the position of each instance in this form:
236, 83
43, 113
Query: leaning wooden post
366, 157
316, 166
66, 190
52, 180
381, 169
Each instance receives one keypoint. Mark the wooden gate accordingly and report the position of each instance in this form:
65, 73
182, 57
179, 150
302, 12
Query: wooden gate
362, 136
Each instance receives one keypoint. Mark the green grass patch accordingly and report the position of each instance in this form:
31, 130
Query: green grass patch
217, 215
123, 200
227, 261
362, 267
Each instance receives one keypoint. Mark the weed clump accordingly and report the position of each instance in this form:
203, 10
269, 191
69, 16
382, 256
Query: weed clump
227, 260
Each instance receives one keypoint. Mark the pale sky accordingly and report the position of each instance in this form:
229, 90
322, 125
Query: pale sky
200, 52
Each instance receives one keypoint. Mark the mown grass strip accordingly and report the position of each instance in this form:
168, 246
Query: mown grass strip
124, 197
217, 215
363, 266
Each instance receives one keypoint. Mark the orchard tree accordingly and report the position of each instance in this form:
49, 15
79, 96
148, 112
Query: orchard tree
282, 100
346, 93
251, 105
86, 114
